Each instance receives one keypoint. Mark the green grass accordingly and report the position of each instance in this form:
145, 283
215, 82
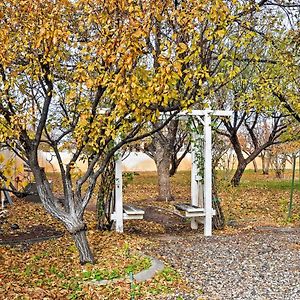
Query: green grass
272, 185
138, 264
251, 179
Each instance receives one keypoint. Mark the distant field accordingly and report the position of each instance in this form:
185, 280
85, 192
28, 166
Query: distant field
260, 199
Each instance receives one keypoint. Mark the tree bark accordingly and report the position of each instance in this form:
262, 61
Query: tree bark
106, 198
268, 163
219, 219
236, 179
81, 242
265, 171
255, 166
164, 150
164, 184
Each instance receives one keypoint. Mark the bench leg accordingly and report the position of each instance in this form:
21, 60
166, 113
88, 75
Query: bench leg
194, 223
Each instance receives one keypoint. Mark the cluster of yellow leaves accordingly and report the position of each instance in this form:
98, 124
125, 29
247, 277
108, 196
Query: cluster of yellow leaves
280, 73
12, 169
288, 148
143, 56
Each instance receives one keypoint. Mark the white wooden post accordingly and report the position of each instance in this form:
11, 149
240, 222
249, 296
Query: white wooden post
194, 183
207, 175
118, 194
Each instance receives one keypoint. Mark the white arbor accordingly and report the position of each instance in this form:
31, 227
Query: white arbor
200, 206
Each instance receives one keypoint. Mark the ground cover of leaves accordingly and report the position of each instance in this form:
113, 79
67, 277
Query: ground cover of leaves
50, 269
260, 200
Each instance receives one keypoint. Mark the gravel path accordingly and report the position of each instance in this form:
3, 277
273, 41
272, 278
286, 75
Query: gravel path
258, 265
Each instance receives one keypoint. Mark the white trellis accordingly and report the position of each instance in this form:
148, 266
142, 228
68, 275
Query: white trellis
197, 209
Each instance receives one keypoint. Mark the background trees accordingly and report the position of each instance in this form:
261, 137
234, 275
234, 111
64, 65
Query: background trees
264, 96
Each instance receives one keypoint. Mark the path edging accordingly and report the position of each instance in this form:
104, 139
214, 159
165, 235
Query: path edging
156, 266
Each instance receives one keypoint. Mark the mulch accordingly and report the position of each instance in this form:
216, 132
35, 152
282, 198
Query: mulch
171, 223
260, 263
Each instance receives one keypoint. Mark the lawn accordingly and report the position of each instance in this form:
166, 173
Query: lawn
259, 200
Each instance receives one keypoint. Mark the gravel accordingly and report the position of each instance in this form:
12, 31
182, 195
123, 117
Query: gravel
260, 265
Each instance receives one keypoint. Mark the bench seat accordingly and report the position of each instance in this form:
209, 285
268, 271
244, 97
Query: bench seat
191, 210
130, 212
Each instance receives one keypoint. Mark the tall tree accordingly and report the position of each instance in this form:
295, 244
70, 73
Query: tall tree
212, 48
86, 75
167, 148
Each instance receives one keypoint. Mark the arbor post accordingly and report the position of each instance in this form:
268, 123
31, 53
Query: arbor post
194, 183
118, 194
207, 175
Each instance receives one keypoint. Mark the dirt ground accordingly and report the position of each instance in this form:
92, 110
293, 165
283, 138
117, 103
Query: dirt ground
29, 235
157, 220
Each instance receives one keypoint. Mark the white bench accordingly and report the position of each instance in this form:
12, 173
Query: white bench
130, 212
191, 211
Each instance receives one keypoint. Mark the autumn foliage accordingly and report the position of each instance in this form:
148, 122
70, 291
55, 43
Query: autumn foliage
85, 76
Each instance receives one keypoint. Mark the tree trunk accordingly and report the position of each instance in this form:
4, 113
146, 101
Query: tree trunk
164, 184
263, 164
64, 213
218, 220
105, 198
173, 168
236, 179
279, 165
265, 160
268, 163
81, 242
162, 160
255, 166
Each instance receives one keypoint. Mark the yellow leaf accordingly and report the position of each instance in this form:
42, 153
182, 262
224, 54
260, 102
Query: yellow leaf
182, 48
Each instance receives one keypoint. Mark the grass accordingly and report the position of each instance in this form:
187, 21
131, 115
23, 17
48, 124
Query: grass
253, 179
259, 200
250, 179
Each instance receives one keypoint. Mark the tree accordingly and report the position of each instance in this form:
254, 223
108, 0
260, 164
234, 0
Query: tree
251, 122
212, 48
61, 63
280, 79
167, 148
283, 154
77, 76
